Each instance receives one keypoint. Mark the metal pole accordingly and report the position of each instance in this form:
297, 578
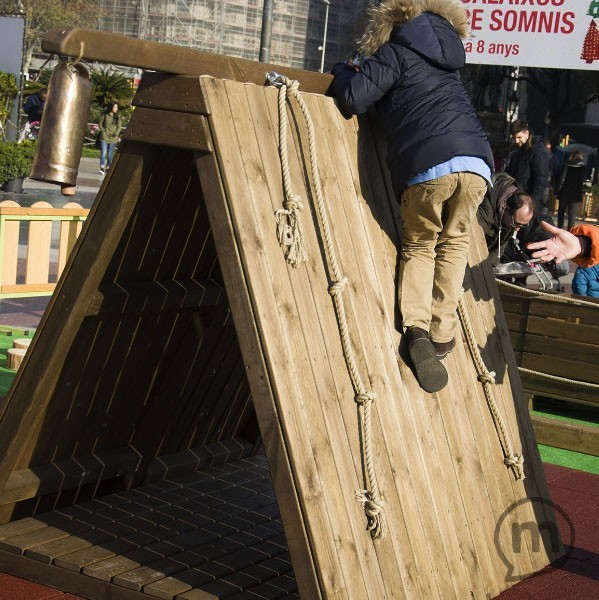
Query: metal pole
324, 37
266, 33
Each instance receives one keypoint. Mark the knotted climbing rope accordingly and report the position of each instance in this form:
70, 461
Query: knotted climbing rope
290, 236
487, 379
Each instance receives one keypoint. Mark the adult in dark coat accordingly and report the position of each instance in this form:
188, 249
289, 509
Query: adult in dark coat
528, 164
438, 156
570, 189
34, 106
504, 210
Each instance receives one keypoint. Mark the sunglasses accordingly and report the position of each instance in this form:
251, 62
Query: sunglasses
516, 225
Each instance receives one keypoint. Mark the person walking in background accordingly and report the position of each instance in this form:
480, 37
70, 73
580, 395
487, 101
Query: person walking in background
34, 106
528, 164
569, 191
438, 155
554, 173
111, 124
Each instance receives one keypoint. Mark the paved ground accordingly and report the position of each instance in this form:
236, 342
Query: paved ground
576, 577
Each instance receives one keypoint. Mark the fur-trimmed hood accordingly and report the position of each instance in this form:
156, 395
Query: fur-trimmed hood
391, 13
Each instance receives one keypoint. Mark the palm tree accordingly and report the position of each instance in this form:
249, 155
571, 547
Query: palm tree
110, 86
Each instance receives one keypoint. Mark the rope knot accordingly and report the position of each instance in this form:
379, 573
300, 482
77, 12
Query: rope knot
365, 397
336, 288
293, 203
515, 461
487, 377
374, 512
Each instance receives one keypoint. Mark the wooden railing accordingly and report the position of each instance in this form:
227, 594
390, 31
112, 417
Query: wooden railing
35, 242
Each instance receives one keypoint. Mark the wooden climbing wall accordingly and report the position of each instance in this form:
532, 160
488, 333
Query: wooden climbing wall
438, 458
177, 303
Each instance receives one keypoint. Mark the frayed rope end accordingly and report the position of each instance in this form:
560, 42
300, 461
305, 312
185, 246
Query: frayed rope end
374, 513
290, 233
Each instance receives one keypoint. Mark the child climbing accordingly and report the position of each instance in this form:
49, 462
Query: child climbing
438, 155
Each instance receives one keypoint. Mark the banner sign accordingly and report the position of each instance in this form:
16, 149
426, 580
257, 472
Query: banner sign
561, 34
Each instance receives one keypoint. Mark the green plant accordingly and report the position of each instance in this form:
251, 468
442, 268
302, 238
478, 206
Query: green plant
8, 92
15, 159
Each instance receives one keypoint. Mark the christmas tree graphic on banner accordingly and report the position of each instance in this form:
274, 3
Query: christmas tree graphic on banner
590, 46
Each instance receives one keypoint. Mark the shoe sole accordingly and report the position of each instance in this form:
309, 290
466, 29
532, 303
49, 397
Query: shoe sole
431, 374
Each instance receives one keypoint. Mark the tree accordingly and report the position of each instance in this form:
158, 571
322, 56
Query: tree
565, 92
110, 86
8, 93
42, 15
590, 48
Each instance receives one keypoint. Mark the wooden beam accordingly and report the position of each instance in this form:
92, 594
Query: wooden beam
569, 436
132, 52
165, 91
168, 128
64, 580
66, 474
142, 297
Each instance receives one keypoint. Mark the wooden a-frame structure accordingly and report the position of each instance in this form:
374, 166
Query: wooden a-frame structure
179, 341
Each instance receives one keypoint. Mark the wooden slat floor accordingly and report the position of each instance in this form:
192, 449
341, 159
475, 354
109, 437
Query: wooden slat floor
215, 533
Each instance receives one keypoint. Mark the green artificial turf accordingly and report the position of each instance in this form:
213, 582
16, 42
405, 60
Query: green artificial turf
567, 458
6, 341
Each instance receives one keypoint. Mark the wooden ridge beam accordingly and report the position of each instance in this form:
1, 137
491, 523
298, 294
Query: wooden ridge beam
131, 52
147, 296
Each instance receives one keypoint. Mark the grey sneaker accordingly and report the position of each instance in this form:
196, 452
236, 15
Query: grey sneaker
431, 374
442, 349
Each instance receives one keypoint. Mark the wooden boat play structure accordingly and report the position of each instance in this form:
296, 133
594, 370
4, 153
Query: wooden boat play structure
198, 418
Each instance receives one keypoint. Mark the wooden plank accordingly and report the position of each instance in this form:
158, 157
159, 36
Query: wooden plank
566, 311
543, 386
164, 91
556, 349
121, 50
167, 128
561, 367
53, 477
73, 583
570, 436
38, 251
28, 288
556, 330
69, 232
154, 296
10, 248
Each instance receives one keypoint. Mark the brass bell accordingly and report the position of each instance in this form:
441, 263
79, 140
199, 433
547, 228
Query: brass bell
63, 126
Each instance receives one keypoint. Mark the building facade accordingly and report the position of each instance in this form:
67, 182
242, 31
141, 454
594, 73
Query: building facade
233, 27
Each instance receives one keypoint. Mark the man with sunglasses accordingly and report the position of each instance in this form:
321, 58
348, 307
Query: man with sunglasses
504, 210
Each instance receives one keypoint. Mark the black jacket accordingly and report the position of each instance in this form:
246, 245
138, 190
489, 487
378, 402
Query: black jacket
530, 168
490, 215
414, 85
571, 181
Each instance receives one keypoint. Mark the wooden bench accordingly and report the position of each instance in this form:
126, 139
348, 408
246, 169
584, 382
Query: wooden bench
556, 343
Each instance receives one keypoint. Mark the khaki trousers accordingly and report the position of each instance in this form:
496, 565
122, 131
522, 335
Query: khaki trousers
437, 217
